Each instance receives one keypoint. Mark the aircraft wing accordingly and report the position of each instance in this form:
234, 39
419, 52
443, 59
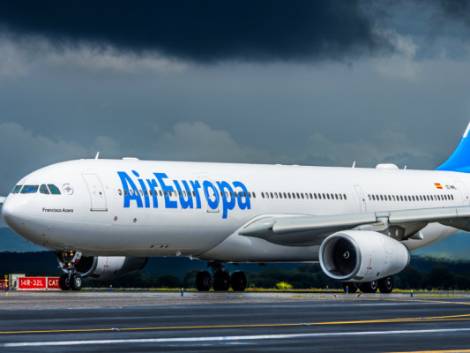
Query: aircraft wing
299, 229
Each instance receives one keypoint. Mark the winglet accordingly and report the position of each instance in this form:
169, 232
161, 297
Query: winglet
459, 160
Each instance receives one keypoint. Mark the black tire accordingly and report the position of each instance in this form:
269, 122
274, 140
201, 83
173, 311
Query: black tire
386, 285
64, 282
368, 287
76, 282
203, 281
349, 288
221, 281
238, 281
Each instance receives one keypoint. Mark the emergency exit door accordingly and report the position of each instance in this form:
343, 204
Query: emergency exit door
96, 192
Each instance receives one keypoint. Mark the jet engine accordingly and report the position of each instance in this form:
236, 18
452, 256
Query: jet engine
362, 256
107, 267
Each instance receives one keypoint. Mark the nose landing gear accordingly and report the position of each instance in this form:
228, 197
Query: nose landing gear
71, 279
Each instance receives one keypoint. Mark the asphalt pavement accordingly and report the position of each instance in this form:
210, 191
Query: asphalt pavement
248, 322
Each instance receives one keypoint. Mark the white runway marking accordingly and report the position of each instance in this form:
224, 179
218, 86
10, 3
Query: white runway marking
209, 339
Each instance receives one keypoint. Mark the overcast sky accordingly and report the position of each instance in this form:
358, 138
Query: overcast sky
309, 82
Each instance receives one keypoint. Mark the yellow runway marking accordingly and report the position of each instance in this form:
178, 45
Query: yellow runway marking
242, 326
440, 351
436, 301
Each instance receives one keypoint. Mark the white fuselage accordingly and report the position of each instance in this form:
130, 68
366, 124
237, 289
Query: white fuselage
97, 215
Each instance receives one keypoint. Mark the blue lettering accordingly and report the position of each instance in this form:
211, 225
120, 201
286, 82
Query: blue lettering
144, 189
243, 196
228, 198
211, 197
167, 190
188, 201
152, 183
222, 194
130, 190
196, 186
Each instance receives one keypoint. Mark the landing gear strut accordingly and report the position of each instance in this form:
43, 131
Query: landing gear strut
71, 279
221, 281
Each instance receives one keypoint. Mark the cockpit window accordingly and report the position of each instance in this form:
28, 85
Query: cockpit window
54, 189
43, 189
16, 189
29, 189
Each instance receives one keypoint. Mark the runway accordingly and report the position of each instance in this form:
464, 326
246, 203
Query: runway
249, 322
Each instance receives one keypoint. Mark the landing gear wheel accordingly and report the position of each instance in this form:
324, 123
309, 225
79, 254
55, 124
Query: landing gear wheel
64, 282
368, 287
221, 281
386, 285
76, 282
203, 281
238, 281
349, 288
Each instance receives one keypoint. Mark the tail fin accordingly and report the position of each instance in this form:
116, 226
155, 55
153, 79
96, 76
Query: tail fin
459, 160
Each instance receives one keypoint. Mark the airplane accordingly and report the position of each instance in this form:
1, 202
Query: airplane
105, 217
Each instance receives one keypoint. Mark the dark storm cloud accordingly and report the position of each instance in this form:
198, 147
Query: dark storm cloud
456, 9
204, 30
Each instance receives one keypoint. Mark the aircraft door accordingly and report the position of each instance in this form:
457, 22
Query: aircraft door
462, 191
96, 192
361, 197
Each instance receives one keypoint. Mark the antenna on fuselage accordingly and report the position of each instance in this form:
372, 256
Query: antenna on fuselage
97, 156
353, 165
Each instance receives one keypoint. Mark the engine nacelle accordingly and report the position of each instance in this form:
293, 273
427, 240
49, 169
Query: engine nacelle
108, 267
362, 256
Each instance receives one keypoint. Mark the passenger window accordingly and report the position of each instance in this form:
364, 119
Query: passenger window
345, 197
29, 189
43, 189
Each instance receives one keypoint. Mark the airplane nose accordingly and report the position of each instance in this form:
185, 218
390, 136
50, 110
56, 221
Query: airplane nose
12, 213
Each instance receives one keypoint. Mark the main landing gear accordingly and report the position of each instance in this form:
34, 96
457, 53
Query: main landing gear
221, 280
71, 279
384, 285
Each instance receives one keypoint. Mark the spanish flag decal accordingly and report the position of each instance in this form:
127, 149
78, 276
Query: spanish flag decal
438, 185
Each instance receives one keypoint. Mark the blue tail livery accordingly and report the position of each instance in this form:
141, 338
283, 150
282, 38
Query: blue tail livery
459, 160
